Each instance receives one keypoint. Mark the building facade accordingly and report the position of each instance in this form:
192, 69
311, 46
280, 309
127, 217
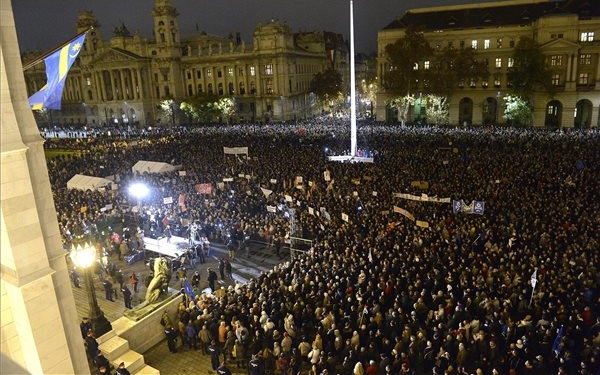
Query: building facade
123, 81
568, 33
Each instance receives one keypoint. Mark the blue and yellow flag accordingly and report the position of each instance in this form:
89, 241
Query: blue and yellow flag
188, 290
57, 67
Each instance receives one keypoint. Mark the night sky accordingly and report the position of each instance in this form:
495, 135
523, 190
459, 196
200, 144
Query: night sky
43, 24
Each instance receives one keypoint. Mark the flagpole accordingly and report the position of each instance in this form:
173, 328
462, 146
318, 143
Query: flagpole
48, 53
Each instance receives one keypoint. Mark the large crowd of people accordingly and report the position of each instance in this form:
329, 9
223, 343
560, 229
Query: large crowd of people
391, 285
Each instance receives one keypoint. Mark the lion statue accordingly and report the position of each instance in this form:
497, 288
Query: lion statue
159, 281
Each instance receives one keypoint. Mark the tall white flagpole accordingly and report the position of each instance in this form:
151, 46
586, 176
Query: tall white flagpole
352, 86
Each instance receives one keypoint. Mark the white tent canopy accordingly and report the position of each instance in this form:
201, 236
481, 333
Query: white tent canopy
144, 166
83, 182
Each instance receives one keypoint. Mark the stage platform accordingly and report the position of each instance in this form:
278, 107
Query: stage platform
172, 248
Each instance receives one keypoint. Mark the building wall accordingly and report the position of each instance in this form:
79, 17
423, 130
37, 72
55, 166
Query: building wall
39, 322
573, 62
123, 80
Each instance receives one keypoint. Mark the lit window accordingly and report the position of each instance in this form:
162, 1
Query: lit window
556, 60
252, 71
88, 81
498, 62
587, 36
583, 78
511, 62
486, 44
556, 79
585, 59
496, 81
230, 72
499, 43
208, 72
474, 44
269, 86
269, 69
426, 65
473, 82
416, 66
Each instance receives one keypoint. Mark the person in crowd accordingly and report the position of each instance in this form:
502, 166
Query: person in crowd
108, 289
85, 326
127, 296
133, 280
122, 370
171, 336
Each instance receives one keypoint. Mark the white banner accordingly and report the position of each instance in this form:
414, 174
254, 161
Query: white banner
326, 175
168, 200
235, 150
273, 181
288, 198
266, 192
271, 209
311, 211
182, 173
422, 198
344, 217
404, 212
228, 179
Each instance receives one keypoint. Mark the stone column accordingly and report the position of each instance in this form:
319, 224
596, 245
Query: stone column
122, 84
40, 326
103, 85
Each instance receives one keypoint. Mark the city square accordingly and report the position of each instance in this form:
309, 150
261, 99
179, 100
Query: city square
294, 236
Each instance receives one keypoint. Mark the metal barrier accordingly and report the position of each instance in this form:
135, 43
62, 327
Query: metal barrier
299, 246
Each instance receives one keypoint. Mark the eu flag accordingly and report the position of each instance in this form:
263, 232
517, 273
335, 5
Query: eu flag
57, 67
556, 344
188, 290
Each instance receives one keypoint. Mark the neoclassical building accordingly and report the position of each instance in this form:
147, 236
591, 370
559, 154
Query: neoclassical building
124, 80
568, 32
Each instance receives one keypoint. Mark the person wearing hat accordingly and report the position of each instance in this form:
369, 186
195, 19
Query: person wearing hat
255, 366
223, 369
122, 370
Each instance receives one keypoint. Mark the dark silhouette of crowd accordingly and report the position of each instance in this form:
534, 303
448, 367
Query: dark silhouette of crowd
376, 293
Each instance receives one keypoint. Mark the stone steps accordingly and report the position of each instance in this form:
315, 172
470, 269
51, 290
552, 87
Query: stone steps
134, 361
146, 370
114, 347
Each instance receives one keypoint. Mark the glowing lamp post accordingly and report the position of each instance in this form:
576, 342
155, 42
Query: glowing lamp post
84, 258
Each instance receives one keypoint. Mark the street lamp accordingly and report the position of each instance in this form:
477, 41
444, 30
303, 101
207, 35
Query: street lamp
84, 257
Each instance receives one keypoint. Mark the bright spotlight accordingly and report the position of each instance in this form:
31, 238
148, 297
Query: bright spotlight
138, 190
